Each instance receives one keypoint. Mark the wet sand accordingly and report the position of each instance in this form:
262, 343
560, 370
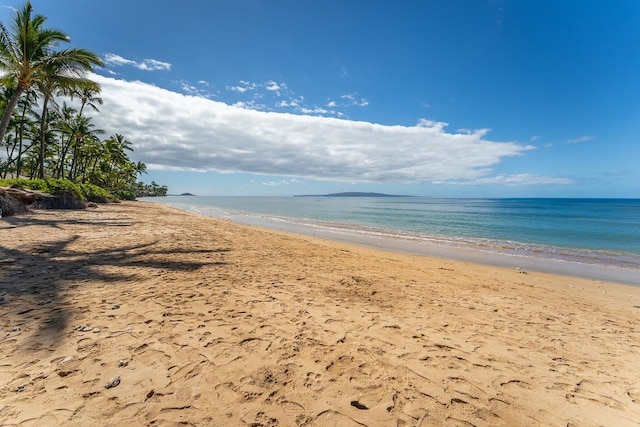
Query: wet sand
467, 253
141, 314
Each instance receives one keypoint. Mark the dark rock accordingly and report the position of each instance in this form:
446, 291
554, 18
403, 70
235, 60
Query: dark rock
26, 197
16, 200
61, 199
10, 205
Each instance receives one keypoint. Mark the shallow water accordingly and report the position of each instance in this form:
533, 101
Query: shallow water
594, 232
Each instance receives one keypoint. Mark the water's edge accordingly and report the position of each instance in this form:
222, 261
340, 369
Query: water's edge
378, 239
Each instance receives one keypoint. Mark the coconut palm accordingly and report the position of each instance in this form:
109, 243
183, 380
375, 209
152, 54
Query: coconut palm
26, 107
84, 139
87, 92
18, 141
53, 81
28, 52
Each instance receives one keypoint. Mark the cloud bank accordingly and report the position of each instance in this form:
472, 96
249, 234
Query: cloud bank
173, 131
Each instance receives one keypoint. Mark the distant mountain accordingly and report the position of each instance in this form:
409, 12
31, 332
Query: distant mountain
187, 194
350, 194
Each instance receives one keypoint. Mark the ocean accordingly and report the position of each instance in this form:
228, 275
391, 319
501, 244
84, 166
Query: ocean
581, 232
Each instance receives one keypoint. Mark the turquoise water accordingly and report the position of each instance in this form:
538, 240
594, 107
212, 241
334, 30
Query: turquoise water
593, 231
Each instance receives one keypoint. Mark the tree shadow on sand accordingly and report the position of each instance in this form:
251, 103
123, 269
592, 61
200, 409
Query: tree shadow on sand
29, 221
34, 280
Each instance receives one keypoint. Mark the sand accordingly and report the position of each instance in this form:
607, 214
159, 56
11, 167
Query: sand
140, 314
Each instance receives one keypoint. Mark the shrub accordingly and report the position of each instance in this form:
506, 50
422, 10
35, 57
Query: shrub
125, 195
85, 192
93, 193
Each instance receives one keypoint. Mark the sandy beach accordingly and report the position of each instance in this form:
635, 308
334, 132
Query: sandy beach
141, 314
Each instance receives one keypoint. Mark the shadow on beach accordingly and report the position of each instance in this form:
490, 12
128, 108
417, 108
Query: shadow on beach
29, 220
36, 279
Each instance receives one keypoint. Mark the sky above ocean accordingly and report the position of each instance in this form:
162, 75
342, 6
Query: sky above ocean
482, 98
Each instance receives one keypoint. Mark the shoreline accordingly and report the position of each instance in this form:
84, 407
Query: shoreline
626, 276
144, 314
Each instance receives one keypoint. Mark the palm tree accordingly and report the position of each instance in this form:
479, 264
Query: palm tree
88, 92
26, 105
28, 49
53, 82
82, 132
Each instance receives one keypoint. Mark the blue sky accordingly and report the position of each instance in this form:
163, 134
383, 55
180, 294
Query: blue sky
482, 98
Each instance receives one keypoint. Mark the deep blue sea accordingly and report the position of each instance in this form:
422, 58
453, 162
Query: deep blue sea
590, 231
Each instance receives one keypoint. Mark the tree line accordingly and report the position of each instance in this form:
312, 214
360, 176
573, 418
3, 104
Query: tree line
45, 95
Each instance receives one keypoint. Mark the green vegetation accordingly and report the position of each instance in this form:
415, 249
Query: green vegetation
45, 140
86, 192
150, 190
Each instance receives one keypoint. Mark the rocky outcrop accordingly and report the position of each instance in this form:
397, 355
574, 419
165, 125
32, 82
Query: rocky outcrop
10, 206
58, 200
16, 200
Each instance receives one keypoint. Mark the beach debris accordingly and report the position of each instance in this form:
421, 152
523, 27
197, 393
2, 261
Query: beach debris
123, 363
521, 271
15, 329
65, 373
115, 306
1, 299
84, 328
66, 360
358, 405
95, 330
113, 382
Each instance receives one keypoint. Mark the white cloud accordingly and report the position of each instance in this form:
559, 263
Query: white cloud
282, 182
174, 131
277, 96
315, 110
348, 100
244, 86
201, 88
292, 103
523, 179
117, 60
153, 65
147, 64
581, 139
274, 87
353, 100
249, 105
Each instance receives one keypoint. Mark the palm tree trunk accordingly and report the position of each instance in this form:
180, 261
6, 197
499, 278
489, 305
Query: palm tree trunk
21, 137
63, 155
43, 132
6, 116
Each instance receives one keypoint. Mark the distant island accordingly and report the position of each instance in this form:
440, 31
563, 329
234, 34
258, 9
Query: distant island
350, 194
